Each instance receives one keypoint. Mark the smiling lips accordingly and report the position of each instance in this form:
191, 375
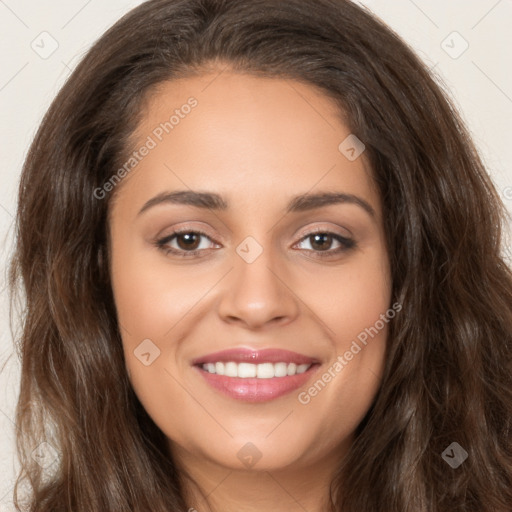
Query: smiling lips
255, 376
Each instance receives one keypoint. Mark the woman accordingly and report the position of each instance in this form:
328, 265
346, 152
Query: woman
262, 265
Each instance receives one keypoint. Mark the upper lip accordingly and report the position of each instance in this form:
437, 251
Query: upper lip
247, 355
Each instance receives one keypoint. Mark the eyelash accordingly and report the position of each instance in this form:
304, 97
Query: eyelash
346, 243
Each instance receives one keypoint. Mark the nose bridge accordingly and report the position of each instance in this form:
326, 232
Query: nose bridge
255, 293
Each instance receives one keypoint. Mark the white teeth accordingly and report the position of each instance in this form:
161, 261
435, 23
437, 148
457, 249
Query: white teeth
265, 371
231, 370
302, 368
246, 370
280, 370
260, 371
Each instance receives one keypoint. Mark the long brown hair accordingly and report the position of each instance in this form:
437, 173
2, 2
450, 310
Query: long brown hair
448, 366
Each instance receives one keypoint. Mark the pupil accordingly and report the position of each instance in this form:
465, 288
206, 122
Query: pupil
321, 236
188, 238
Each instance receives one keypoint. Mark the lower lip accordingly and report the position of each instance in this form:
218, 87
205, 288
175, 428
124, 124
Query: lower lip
257, 390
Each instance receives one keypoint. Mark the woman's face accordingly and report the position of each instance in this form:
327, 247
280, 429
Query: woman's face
281, 291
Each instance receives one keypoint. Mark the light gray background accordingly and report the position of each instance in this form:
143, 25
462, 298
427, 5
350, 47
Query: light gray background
479, 80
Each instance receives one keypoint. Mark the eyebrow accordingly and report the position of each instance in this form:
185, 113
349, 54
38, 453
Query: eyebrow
213, 201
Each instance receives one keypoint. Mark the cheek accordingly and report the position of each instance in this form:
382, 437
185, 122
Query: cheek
354, 305
151, 296
350, 298
152, 302
158, 304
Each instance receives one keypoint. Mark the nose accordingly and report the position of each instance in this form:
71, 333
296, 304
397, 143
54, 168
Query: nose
254, 294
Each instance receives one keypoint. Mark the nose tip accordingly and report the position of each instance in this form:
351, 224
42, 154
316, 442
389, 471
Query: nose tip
255, 294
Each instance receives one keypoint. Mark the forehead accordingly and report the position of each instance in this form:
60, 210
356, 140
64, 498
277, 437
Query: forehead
243, 135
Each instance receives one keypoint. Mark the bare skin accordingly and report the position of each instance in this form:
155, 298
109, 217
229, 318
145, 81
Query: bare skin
257, 143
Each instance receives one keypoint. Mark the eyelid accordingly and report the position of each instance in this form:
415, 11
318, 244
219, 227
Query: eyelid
311, 231
187, 228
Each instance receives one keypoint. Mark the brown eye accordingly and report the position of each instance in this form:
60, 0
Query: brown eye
321, 243
190, 241
185, 243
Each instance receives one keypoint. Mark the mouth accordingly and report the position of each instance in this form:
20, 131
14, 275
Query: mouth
256, 376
